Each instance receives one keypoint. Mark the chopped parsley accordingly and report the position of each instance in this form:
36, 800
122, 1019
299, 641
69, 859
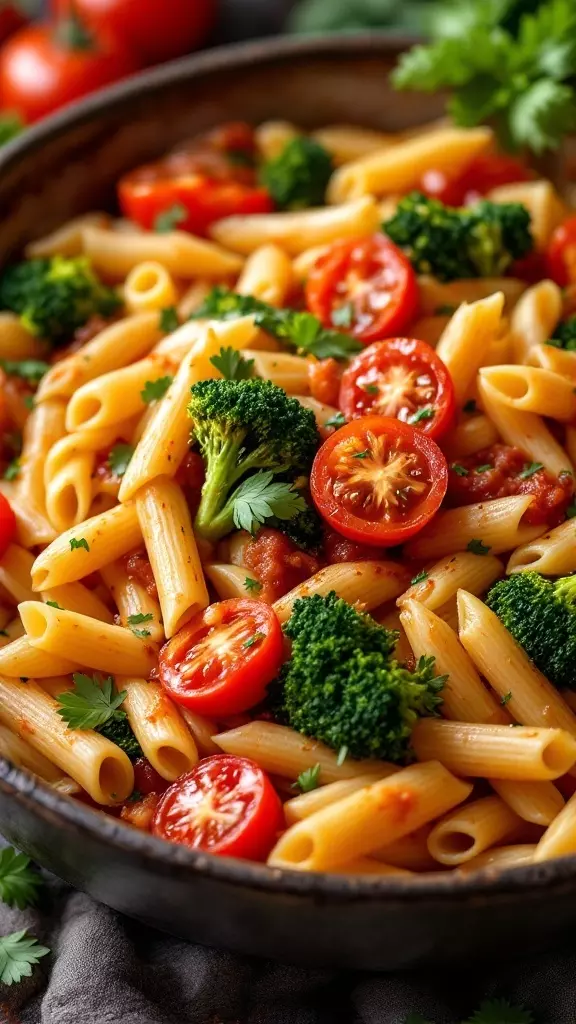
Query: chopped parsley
530, 468
169, 319
477, 547
419, 578
308, 780
54, 604
169, 219
90, 704
343, 316
362, 455
155, 389
258, 635
78, 543
252, 586
30, 370
507, 697
232, 364
484, 468
12, 470
137, 620
426, 413
119, 458
337, 420
459, 470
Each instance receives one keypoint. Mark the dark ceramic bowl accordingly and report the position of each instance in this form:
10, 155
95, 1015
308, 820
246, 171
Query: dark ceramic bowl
64, 167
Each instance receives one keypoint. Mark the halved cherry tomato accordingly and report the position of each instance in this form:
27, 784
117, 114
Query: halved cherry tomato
7, 524
487, 171
364, 285
378, 480
225, 805
221, 662
403, 378
212, 177
561, 253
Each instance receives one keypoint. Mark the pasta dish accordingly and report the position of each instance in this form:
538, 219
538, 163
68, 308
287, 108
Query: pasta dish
287, 534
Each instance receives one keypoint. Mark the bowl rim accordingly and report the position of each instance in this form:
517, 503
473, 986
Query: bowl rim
54, 807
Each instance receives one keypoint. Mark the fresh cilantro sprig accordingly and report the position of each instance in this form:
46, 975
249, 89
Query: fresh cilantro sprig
119, 458
260, 497
302, 331
19, 884
30, 370
19, 953
90, 704
520, 79
232, 364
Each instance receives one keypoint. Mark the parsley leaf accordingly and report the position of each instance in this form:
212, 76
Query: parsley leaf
308, 780
81, 543
419, 578
252, 586
12, 470
232, 364
258, 635
141, 633
19, 952
426, 413
343, 316
169, 219
30, 370
500, 1011
155, 389
90, 704
361, 455
484, 468
477, 547
119, 458
54, 604
507, 697
459, 470
529, 469
19, 884
169, 319
571, 511
137, 620
260, 497
337, 420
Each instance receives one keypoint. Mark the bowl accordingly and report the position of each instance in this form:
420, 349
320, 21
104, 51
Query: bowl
63, 167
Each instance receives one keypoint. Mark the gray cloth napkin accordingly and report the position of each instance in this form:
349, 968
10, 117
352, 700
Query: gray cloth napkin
106, 969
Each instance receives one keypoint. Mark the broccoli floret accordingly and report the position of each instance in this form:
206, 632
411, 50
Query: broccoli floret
342, 685
305, 529
541, 616
565, 335
298, 177
53, 297
477, 241
118, 730
249, 427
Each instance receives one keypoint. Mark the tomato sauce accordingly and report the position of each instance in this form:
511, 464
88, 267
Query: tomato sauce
278, 563
139, 570
339, 549
191, 476
324, 380
501, 471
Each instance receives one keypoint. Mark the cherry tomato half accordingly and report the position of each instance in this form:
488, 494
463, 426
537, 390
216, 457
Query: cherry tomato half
487, 171
45, 66
7, 524
364, 285
225, 805
221, 662
378, 480
561, 253
402, 378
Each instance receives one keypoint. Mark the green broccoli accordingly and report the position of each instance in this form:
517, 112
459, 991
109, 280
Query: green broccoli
565, 335
55, 296
541, 616
342, 685
249, 431
298, 177
450, 243
119, 731
304, 530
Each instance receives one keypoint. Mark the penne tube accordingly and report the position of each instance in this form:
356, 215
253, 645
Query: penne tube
273, 136
86, 641
181, 254
534, 317
366, 820
391, 620
553, 554
267, 275
163, 512
287, 371
115, 346
44, 427
297, 230
400, 167
435, 295
20, 659
305, 261
559, 839
107, 536
193, 298
69, 492
16, 342
229, 580
524, 430
557, 360
300, 807
346, 142
410, 852
202, 729
367, 584
445, 578
114, 397
149, 288
469, 830
501, 857
282, 751
497, 524
75, 597
533, 701
537, 802
322, 412
532, 389
15, 749
166, 437
67, 239
495, 751
468, 437
72, 445
98, 765
15, 568
466, 340
464, 696
158, 726
133, 601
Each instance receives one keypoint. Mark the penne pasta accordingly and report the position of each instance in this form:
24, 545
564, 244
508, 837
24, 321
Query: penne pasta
158, 726
149, 287
466, 340
181, 254
367, 584
497, 524
469, 830
532, 389
534, 317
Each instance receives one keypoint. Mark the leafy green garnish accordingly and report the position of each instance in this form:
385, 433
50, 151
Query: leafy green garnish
90, 704
260, 497
169, 319
252, 586
500, 1011
484, 468
258, 635
308, 780
76, 543
343, 316
119, 458
19, 884
137, 620
54, 604
337, 420
30, 370
530, 468
154, 390
12, 470
477, 547
507, 697
459, 469
419, 578
426, 413
19, 952
232, 364
169, 219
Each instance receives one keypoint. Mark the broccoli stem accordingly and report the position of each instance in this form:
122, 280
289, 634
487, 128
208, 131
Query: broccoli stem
566, 588
222, 471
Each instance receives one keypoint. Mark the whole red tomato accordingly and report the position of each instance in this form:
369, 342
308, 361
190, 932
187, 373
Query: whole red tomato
45, 66
156, 29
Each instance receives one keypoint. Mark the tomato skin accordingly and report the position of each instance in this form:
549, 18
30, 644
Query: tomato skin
207, 666
333, 462
358, 271
259, 818
487, 171
146, 778
7, 524
38, 75
381, 366
561, 253
158, 31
